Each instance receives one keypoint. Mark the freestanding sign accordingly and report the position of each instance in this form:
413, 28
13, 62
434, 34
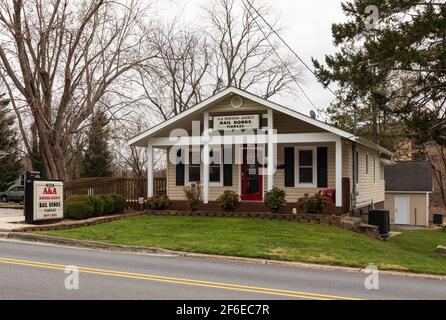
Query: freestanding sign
48, 200
43, 199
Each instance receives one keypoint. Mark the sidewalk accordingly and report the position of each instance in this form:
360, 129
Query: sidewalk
8, 224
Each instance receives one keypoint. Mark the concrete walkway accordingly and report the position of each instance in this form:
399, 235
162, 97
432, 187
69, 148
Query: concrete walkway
11, 219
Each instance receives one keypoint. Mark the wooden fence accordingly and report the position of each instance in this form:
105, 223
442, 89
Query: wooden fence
130, 188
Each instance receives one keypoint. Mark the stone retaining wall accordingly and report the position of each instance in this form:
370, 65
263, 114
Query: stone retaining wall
312, 218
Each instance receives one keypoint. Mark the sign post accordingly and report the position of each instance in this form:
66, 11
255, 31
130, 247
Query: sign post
43, 199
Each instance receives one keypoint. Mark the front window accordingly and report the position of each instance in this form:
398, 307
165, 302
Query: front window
194, 167
306, 169
215, 166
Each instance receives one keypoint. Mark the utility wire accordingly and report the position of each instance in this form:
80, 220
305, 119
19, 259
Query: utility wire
285, 43
281, 60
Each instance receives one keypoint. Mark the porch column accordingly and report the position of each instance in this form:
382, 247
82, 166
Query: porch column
150, 170
338, 165
206, 158
271, 151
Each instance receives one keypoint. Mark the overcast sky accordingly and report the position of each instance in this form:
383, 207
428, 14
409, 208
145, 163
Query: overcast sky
307, 30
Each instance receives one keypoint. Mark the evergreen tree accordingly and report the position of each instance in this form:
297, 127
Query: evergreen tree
10, 166
393, 70
96, 157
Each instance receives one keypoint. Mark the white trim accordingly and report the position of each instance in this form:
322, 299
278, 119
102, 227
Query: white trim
206, 159
272, 154
338, 169
246, 139
411, 192
205, 178
427, 209
149, 171
136, 141
297, 184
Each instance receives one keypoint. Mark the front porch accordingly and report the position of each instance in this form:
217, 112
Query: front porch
297, 163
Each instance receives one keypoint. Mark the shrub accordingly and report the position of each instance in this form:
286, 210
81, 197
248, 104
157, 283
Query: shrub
444, 228
158, 203
109, 204
98, 205
193, 196
315, 205
78, 210
119, 201
229, 201
275, 199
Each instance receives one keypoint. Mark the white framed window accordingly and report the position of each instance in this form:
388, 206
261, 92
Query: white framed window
306, 167
194, 170
215, 167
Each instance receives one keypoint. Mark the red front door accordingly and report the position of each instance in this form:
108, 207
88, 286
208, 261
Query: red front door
251, 178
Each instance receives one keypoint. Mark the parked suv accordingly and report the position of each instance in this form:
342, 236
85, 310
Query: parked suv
15, 193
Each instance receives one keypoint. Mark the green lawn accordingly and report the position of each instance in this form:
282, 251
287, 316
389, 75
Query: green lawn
281, 240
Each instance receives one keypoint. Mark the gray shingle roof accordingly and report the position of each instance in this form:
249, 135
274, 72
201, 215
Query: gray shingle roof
409, 176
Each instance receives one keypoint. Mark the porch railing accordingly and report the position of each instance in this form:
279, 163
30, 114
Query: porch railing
130, 188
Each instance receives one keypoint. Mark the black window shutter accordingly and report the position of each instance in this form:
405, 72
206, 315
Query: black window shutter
289, 167
322, 167
227, 168
180, 170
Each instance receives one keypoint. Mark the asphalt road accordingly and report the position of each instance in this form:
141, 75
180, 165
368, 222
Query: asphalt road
34, 271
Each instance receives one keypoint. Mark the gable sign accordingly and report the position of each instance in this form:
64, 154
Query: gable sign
231, 122
48, 200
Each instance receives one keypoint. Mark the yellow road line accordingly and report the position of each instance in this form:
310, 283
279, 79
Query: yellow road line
183, 281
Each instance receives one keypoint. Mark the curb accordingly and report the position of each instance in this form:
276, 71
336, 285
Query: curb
151, 250
81, 244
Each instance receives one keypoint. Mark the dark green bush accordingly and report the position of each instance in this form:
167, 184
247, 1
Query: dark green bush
158, 203
316, 204
109, 204
229, 201
78, 210
275, 199
119, 201
98, 205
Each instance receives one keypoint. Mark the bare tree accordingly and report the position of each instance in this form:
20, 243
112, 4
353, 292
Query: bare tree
61, 57
129, 157
174, 81
246, 51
